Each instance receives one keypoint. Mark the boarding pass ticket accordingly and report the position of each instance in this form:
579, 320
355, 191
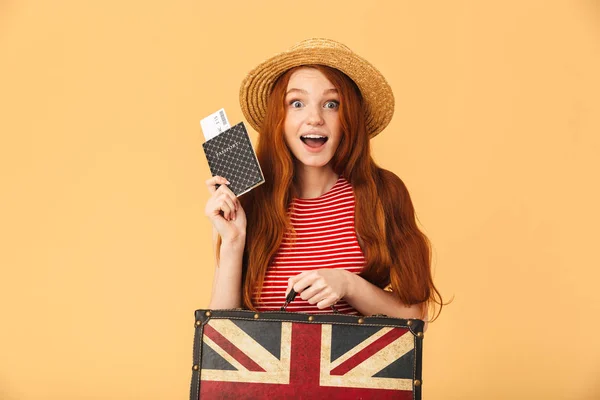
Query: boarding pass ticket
214, 124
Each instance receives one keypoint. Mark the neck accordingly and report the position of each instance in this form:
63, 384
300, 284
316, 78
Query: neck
312, 182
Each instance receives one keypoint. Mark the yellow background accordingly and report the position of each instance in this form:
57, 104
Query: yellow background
105, 249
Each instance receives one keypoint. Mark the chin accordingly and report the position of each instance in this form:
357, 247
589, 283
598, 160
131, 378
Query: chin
314, 164
308, 160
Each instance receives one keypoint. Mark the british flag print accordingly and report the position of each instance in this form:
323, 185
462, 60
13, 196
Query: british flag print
278, 359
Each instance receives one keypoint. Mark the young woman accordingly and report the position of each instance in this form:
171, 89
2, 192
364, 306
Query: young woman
327, 222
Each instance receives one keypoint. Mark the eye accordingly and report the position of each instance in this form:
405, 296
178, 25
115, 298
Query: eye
332, 104
296, 103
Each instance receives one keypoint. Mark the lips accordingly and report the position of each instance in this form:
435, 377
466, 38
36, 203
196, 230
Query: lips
314, 140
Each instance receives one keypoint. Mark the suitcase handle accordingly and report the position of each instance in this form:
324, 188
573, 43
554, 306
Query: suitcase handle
292, 295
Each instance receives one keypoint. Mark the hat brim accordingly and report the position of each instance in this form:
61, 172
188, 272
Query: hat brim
377, 93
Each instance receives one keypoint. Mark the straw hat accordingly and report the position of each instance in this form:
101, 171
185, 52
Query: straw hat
376, 92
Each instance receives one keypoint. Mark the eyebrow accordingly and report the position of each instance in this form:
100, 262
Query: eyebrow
332, 90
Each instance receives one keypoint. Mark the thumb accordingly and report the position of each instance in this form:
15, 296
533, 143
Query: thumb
289, 287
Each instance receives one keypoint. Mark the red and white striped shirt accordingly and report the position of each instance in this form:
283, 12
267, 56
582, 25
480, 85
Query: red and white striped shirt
325, 238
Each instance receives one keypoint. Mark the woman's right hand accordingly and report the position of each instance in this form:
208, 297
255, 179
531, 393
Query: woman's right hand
225, 211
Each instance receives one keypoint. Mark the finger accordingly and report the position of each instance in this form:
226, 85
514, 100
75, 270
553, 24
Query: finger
319, 296
327, 302
225, 191
215, 180
225, 209
304, 282
224, 199
291, 282
312, 291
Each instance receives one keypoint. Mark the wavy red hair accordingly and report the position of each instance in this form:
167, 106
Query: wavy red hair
396, 251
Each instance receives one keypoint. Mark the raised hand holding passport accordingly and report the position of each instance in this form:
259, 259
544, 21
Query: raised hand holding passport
224, 210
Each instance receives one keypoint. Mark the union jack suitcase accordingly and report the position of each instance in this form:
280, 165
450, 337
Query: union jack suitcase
240, 354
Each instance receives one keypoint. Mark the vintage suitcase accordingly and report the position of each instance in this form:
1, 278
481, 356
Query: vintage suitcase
240, 354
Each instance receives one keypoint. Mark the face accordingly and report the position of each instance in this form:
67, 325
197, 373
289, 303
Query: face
312, 122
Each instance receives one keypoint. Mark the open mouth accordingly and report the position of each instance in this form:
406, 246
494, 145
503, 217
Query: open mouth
314, 141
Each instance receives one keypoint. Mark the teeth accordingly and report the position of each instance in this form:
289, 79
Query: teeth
313, 137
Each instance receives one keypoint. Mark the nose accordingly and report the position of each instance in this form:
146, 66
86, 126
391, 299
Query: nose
314, 116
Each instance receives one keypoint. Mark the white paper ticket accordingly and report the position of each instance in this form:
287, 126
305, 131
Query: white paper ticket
214, 124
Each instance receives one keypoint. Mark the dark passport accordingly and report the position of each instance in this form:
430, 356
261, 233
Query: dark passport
230, 154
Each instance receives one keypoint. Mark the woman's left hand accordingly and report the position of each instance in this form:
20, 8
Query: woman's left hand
327, 286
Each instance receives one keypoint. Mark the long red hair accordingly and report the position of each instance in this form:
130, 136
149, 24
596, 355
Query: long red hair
396, 251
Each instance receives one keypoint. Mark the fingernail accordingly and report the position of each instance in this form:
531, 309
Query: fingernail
227, 182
